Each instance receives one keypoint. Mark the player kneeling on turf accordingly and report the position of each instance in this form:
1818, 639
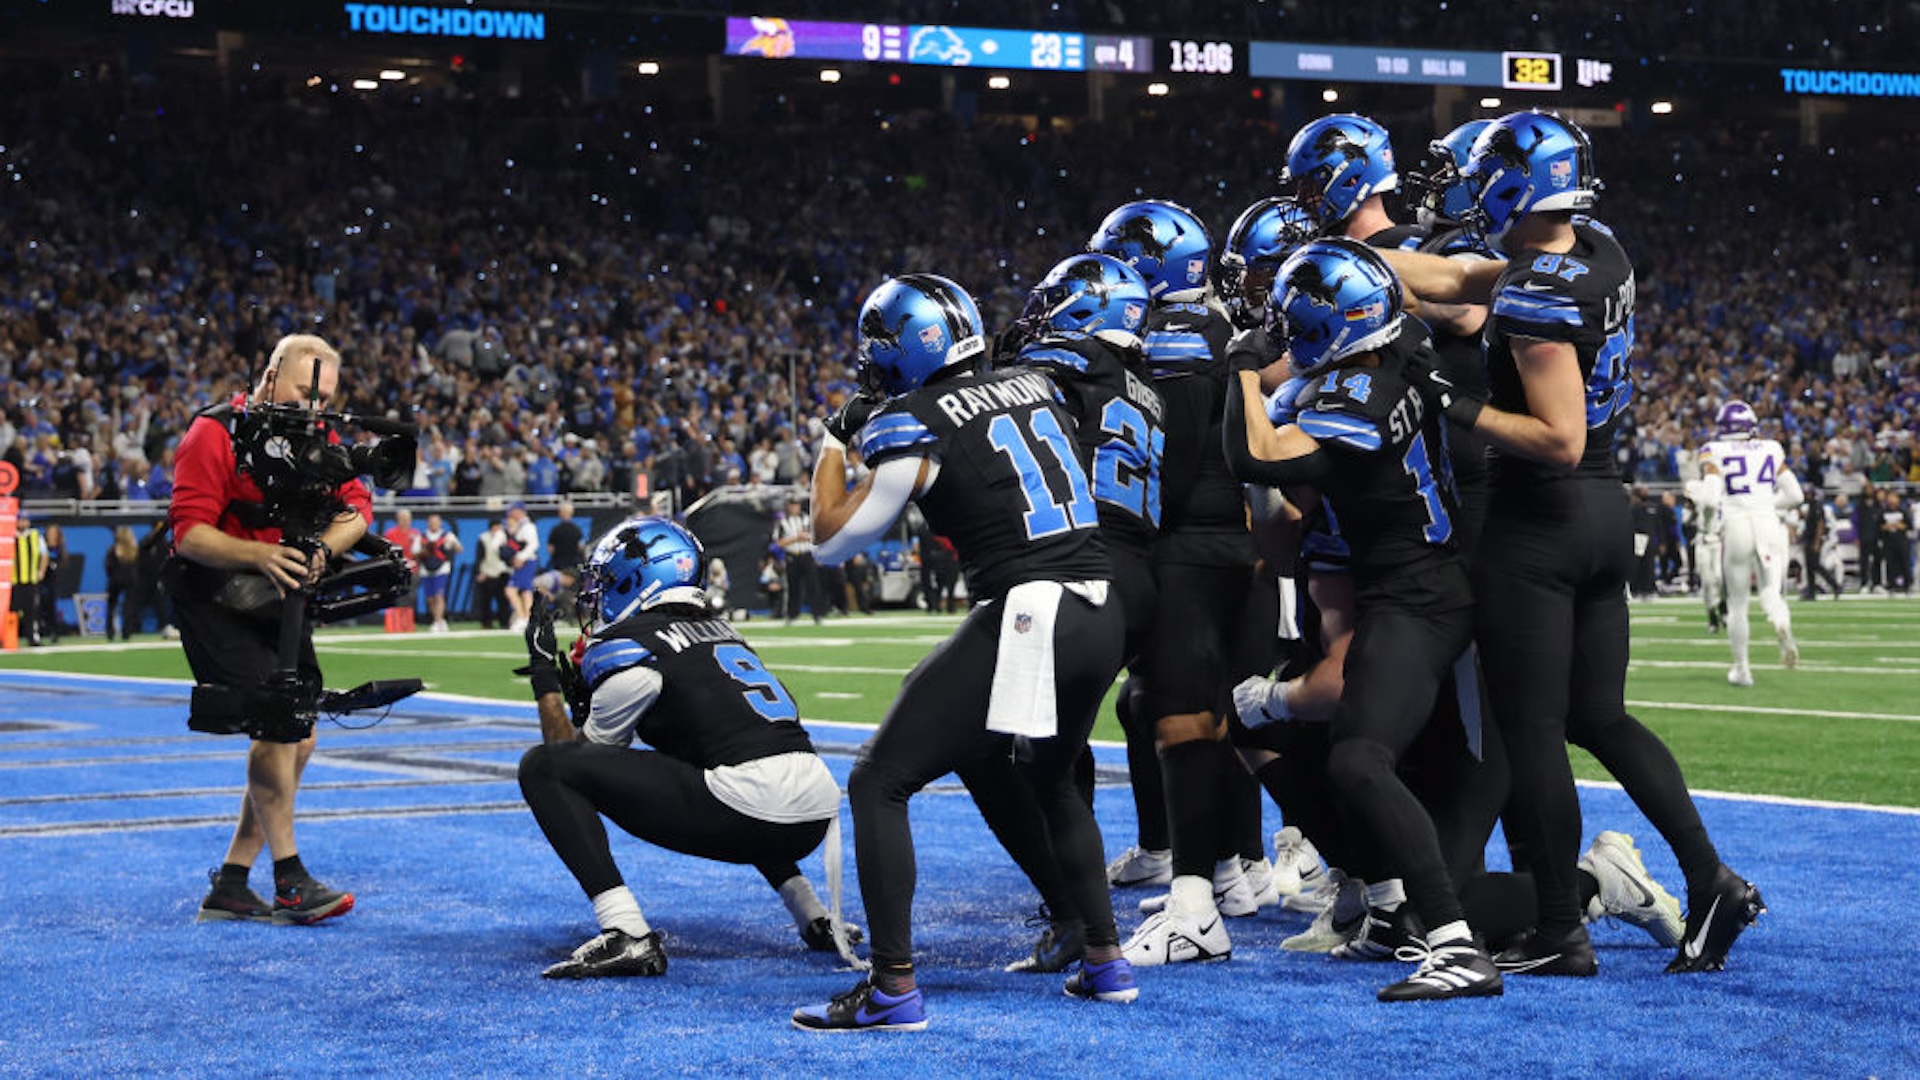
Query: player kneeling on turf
732, 775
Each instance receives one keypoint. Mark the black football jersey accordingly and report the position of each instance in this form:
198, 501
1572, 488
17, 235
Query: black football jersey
1391, 488
1012, 495
1186, 346
1583, 297
1120, 419
718, 704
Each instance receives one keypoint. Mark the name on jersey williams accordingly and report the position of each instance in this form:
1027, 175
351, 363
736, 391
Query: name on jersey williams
682, 636
965, 402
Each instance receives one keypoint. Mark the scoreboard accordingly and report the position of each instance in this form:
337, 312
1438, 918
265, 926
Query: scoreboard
941, 46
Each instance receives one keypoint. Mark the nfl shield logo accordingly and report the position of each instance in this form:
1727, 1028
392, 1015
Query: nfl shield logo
1560, 173
1022, 622
933, 338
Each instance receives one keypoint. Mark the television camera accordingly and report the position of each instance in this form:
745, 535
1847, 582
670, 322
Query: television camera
295, 455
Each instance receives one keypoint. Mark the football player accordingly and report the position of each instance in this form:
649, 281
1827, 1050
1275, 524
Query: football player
1557, 551
1368, 443
990, 460
732, 776
1081, 327
1748, 478
1203, 568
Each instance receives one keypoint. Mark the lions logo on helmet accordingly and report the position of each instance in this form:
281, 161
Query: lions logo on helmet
912, 326
1525, 163
1089, 294
639, 564
1333, 299
1164, 242
1736, 420
1336, 163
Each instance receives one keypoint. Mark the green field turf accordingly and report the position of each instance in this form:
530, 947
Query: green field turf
1844, 726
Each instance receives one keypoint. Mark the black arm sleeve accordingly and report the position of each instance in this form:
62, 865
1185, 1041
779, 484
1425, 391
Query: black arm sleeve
1312, 470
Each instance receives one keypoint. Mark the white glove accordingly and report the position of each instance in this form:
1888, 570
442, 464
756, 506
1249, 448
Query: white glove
1261, 701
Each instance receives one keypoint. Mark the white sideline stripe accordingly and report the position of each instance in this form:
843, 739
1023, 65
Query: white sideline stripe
1804, 643
1720, 665
1771, 800
1831, 714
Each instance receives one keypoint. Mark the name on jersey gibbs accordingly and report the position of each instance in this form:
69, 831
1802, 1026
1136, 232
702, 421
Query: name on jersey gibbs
681, 636
963, 403
1145, 397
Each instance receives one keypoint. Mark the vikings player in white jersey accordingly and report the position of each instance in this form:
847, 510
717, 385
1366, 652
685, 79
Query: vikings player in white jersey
1754, 486
1704, 493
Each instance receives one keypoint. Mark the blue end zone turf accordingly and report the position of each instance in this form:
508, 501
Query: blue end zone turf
111, 812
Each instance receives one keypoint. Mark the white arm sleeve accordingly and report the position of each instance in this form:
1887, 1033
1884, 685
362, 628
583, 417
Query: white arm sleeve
620, 702
893, 485
1706, 491
1786, 491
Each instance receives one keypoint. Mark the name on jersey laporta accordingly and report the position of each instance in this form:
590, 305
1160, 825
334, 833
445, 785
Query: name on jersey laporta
963, 403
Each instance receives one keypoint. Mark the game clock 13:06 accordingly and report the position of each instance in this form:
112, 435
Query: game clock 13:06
1189, 57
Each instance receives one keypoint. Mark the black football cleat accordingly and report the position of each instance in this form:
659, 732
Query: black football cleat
1061, 945
1540, 955
1714, 920
613, 954
1449, 971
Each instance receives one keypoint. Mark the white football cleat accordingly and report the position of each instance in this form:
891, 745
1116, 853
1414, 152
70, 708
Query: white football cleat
1233, 894
1175, 937
1628, 892
1138, 866
1740, 675
1789, 649
1296, 862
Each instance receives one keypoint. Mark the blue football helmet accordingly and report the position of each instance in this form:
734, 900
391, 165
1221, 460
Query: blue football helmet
641, 563
1332, 299
1093, 294
1260, 240
1736, 420
912, 326
1164, 242
1445, 196
1528, 162
1335, 163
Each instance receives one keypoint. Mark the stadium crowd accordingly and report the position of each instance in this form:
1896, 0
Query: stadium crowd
570, 297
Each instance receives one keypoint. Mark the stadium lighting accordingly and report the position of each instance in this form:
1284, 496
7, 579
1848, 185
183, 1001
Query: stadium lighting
1662, 108
392, 75
1489, 102
314, 80
366, 84
649, 67
999, 82
829, 75
1329, 95
1158, 89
